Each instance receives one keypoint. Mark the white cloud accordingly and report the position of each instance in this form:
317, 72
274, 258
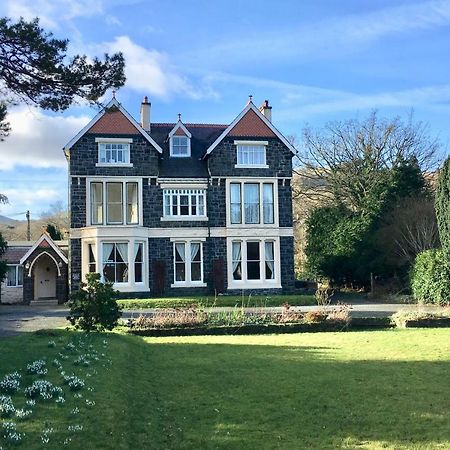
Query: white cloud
37, 139
151, 72
327, 38
53, 14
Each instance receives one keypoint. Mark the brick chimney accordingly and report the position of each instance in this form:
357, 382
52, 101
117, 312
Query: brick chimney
145, 114
266, 110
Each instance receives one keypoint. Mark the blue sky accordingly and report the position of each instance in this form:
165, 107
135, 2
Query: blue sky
315, 61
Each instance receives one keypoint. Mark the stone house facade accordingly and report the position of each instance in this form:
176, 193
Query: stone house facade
181, 208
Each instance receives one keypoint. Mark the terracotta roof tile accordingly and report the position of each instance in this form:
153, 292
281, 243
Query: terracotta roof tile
113, 122
251, 125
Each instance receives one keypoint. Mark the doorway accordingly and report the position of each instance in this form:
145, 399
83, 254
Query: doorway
45, 274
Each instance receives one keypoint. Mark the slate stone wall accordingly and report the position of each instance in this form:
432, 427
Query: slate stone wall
84, 157
75, 264
223, 159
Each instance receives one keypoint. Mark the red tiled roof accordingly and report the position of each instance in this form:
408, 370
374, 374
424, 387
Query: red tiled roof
251, 125
113, 122
180, 132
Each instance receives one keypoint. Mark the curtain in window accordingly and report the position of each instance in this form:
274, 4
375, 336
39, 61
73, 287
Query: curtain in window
180, 261
235, 202
11, 276
270, 265
251, 200
180, 249
96, 203
132, 203
109, 273
138, 262
108, 252
196, 271
195, 251
114, 203
268, 202
236, 254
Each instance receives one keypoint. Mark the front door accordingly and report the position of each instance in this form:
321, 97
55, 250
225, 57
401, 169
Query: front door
45, 278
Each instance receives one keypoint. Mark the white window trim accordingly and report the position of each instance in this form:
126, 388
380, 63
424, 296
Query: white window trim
180, 218
261, 223
188, 147
187, 263
113, 141
124, 181
252, 143
254, 284
17, 277
130, 285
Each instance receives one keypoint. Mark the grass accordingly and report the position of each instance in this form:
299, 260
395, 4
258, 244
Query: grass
365, 390
222, 300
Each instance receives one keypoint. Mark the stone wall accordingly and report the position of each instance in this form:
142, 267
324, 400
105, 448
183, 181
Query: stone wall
11, 294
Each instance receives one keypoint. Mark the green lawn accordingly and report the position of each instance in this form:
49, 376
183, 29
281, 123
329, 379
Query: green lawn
365, 390
222, 300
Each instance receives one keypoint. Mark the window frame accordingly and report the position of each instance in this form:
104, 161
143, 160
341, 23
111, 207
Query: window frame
17, 270
246, 146
97, 246
262, 282
104, 201
188, 146
126, 142
187, 282
261, 182
168, 203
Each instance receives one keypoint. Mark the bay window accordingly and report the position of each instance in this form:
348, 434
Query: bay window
188, 263
251, 202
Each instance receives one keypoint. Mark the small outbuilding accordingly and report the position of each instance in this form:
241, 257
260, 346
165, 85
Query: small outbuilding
36, 271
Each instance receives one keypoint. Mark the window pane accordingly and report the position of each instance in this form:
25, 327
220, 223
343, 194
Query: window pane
19, 275
236, 258
184, 205
132, 203
96, 203
11, 276
235, 203
114, 153
251, 200
138, 262
268, 203
253, 272
196, 272
114, 203
115, 262
270, 262
91, 258
249, 155
180, 146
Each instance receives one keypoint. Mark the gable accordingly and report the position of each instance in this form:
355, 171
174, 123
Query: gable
250, 125
113, 122
179, 132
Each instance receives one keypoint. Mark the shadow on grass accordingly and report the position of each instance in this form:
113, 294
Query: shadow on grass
203, 395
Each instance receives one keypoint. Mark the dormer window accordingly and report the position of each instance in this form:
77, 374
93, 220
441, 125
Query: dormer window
251, 154
180, 140
180, 146
113, 152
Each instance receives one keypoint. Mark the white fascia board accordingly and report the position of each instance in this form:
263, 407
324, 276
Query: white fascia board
113, 102
263, 118
47, 238
180, 124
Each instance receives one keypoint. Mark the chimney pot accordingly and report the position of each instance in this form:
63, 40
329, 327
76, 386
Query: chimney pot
266, 110
145, 114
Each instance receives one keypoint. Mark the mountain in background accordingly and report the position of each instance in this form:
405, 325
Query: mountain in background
8, 221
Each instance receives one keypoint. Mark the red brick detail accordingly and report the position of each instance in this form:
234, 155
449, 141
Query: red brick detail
180, 132
44, 243
113, 122
251, 125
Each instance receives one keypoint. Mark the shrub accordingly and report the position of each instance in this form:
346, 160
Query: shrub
94, 306
430, 277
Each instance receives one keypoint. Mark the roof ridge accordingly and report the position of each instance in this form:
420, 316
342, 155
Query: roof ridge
171, 124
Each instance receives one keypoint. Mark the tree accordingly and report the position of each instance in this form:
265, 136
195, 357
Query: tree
35, 69
94, 307
443, 206
362, 172
54, 232
350, 162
